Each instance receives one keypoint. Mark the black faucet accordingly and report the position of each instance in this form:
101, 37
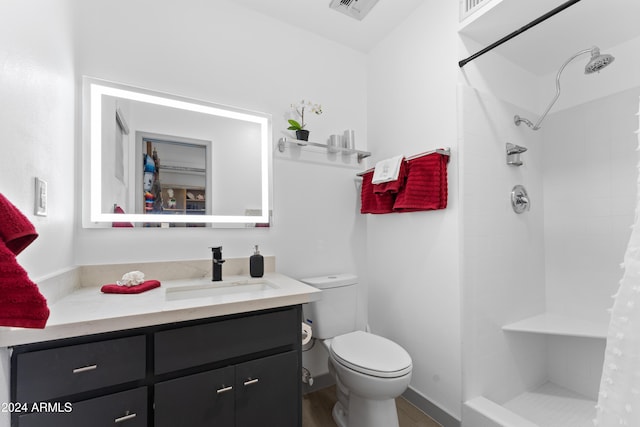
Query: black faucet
217, 263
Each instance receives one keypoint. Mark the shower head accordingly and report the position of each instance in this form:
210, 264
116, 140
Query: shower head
595, 64
597, 61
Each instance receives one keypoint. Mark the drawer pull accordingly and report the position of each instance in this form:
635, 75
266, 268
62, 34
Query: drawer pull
125, 418
224, 390
85, 369
249, 382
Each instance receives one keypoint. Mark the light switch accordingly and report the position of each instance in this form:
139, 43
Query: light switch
40, 201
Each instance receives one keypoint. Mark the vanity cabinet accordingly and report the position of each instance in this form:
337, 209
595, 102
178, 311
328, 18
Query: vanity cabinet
238, 370
257, 393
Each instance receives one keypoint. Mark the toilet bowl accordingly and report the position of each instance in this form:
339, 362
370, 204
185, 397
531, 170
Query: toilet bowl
370, 371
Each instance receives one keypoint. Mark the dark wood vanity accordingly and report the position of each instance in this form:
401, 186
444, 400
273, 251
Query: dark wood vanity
237, 370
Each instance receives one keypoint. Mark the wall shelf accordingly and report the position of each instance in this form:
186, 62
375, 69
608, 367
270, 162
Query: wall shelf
282, 143
183, 203
557, 324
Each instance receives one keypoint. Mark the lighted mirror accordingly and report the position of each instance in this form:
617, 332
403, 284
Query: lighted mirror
157, 160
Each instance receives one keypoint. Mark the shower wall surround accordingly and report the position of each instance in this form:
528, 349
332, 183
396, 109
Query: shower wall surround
562, 257
589, 187
503, 260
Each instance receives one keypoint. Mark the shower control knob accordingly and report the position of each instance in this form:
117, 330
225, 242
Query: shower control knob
520, 199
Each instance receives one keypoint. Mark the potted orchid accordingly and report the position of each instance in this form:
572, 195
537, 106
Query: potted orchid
299, 109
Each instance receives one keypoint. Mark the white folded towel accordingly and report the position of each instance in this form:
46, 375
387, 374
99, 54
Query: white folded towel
387, 170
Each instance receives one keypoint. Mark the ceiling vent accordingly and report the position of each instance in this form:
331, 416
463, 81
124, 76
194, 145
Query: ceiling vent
357, 9
468, 7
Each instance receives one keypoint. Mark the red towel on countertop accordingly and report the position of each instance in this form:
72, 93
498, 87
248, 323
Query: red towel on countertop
21, 303
16, 231
426, 185
371, 202
393, 186
117, 289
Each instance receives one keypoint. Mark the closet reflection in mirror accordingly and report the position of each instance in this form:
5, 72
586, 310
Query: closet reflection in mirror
173, 175
155, 160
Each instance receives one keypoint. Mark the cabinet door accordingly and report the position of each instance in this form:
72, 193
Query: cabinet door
125, 409
199, 400
268, 391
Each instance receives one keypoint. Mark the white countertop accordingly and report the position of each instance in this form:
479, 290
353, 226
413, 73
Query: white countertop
88, 311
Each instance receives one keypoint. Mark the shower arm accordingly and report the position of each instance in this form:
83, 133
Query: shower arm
517, 119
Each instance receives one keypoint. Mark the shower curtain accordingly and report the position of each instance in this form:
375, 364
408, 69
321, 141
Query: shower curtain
619, 395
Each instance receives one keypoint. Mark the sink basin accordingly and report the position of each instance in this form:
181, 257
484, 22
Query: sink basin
219, 289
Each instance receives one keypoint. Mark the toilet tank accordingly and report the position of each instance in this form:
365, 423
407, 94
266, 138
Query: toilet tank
335, 312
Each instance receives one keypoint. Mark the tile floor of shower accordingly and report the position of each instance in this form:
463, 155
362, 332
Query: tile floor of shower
549, 406
317, 406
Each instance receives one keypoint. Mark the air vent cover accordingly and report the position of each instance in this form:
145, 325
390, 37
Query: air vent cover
357, 9
468, 7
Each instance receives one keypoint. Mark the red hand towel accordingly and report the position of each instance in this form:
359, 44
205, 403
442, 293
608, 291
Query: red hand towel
119, 210
371, 202
393, 186
21, 303
144, 286
15, 229
426, 186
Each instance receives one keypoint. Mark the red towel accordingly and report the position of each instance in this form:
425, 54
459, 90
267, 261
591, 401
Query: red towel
117, 209
393, 186
144, 286
15, 229
426, 186
371, 202
21, 303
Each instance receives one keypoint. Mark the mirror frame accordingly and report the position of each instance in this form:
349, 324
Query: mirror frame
94, 89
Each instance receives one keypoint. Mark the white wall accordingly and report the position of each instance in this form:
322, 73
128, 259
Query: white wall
495, 74
412, 258
37, 134
37, 125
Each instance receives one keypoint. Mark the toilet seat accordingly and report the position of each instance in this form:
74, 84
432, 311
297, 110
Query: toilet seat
371, 354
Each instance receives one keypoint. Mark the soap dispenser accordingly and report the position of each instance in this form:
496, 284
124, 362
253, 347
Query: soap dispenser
256, 264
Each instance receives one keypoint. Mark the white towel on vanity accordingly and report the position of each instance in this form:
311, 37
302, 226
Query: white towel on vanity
387, 170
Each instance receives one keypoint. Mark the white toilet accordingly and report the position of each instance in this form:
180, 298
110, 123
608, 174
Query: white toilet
370, 371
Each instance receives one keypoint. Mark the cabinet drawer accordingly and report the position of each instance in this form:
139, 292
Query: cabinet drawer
219, 340
63, 371
126, 409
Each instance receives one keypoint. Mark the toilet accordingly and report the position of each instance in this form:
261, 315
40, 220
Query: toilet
370, 371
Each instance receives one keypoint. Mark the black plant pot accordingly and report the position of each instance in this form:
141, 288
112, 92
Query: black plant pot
302, 135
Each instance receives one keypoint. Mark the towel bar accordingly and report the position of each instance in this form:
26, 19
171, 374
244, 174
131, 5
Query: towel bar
444, 151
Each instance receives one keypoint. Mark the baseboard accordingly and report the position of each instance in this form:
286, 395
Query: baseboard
441, 416
319, 382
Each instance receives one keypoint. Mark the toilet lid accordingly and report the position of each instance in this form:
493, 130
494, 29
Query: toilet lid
371, 355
